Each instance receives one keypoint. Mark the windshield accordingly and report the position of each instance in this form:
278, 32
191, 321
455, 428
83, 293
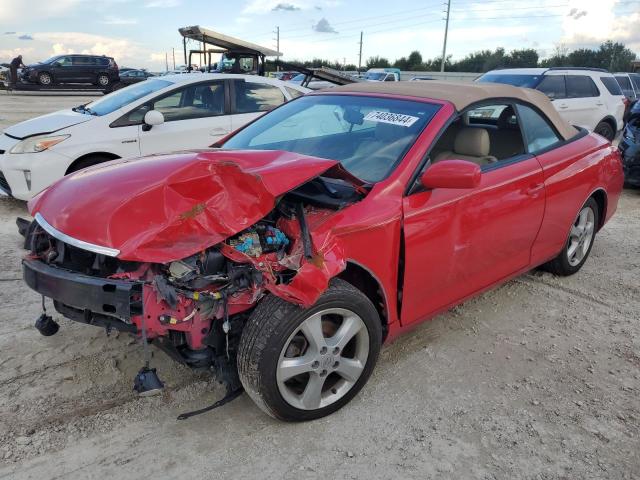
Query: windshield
125, 96
529, 81
51, 60
367, 135
375, 75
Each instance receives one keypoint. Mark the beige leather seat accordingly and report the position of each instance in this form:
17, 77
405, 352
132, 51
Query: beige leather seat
470, 144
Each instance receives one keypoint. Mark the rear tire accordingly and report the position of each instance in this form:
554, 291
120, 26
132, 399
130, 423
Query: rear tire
278, 337
103, 80
606, 130
88, 162
45, 79
579, 243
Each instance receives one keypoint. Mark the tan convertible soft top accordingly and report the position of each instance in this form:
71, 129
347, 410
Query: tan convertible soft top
461, 95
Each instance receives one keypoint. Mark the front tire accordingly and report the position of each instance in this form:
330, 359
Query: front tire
45, 79
579, 242
301, 364
606, 130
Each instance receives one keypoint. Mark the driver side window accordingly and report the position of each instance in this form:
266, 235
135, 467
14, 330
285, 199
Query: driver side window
486, 135
64, 61
191, 102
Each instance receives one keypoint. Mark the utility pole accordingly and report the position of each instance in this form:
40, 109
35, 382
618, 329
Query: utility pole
446, 31
166, 62
277, 32
360, 55
173, 52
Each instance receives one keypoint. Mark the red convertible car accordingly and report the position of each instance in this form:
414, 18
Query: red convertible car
282, 258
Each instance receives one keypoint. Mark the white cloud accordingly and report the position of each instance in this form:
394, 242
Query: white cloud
121, 49
600, 24
10, 53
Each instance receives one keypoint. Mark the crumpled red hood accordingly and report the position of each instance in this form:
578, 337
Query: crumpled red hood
167, 207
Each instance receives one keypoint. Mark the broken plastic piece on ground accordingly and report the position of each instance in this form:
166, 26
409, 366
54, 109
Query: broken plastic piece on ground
46, 325
226, 399
147, 382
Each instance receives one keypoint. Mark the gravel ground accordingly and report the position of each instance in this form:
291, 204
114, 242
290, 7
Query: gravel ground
538, 379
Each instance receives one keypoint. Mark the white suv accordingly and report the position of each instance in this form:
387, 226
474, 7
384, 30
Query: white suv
161, 114
588, 98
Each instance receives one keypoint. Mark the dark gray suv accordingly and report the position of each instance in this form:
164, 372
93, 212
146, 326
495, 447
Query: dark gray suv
94, 69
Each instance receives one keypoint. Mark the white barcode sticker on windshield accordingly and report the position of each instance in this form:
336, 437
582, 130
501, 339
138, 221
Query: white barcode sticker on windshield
392, 118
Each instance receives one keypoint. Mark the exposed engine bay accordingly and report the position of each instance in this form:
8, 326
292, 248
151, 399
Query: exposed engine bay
195, 308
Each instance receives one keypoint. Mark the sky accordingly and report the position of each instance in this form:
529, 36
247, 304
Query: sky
139, 33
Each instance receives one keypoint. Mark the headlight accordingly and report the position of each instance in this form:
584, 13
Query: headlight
37, 144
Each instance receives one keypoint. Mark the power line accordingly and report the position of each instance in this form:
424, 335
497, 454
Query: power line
360, 27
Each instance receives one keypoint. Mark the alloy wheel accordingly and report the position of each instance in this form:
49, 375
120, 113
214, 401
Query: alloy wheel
581, 236
103, 80
322, 359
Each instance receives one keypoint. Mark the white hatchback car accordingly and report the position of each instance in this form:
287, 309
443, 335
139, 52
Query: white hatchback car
584, 97
169, 113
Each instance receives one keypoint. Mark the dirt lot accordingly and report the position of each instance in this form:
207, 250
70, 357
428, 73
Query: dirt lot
538, 379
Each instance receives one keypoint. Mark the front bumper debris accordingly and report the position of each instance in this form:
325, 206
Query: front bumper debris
88, 296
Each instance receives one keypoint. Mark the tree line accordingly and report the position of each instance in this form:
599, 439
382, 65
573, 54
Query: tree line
613, 56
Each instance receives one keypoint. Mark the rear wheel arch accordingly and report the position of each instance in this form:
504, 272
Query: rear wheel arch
600, 197
90, 159
365, 281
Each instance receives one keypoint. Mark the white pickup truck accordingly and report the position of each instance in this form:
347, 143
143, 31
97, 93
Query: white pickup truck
382, 75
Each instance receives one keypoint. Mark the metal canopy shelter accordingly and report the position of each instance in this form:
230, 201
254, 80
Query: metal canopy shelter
224, 43
227, 42
228, 45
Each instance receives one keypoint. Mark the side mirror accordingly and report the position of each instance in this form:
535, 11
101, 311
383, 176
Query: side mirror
452, 174
151, 118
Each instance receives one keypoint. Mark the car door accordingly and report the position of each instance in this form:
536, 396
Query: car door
195, 116
62, 69
458, 242
251, 99
81, 69
583, 108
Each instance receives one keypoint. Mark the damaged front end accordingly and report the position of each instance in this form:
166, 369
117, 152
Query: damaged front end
195, 308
